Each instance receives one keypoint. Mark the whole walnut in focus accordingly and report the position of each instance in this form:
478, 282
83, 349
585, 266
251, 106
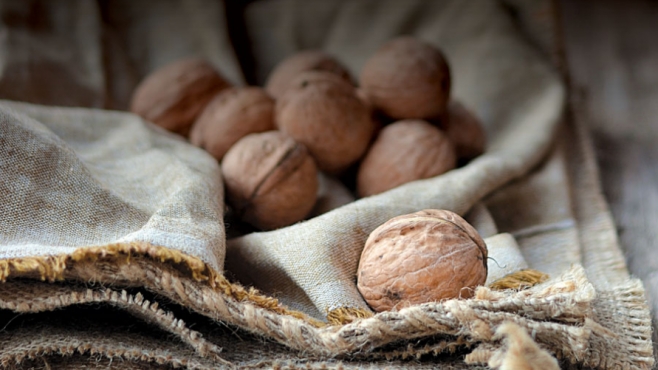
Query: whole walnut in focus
231, 115
173, 96
464, 130
407, 78
308, 60
323, 112
421, 257
404, 151
270, 179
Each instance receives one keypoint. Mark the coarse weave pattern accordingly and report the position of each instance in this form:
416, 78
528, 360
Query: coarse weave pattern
112, 239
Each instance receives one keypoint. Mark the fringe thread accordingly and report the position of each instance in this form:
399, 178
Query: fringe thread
520, 280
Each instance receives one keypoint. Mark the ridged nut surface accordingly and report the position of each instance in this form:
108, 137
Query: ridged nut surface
173, 96
270, 179
427, 256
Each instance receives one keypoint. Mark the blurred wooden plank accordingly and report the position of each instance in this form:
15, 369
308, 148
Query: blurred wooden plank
612, 58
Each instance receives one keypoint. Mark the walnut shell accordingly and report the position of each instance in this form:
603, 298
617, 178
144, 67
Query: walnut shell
465, 131
231, 115
404, 151
323, 112
173, 96
270, 179
407, 78
421, 257
361, 94
308, 60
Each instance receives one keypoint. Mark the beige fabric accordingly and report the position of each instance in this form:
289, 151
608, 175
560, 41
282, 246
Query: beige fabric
547, 235
73, 178
482, 220
559, 313
93, 179
93, 54
522, 353
504, 257
517, 95
76, 178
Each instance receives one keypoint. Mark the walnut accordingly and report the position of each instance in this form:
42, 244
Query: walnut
407, 78
270, 179
464, 130
174, 95
231, 115
404, 151
323, 112
421, 257
361, 94
308, 60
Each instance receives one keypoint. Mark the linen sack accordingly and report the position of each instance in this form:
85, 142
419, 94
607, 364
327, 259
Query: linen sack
113, 242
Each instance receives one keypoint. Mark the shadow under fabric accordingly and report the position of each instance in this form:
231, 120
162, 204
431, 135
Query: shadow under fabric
100, 196
312, 266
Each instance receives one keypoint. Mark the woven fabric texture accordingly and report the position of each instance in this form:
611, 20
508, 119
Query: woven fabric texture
113, 244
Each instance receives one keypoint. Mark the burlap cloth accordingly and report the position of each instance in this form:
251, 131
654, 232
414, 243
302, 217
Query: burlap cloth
112, 240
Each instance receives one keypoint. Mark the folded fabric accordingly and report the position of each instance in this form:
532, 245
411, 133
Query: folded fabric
112, 236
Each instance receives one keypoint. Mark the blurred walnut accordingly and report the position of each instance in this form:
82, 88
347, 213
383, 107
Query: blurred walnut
231, 115
174, 95
361, 94
407, 78
270, 179
308, 60
323, 112
421, 257
464, 130
404, 151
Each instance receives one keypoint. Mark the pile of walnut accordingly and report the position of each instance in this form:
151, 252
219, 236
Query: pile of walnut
310, 128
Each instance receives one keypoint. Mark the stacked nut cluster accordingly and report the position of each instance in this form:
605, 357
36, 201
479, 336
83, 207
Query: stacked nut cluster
397, 126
